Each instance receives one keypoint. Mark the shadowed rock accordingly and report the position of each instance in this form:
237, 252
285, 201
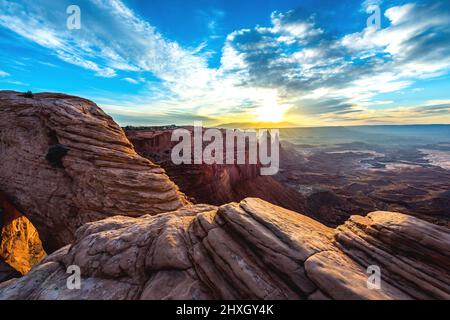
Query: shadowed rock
20, 245
7, 272
65, 162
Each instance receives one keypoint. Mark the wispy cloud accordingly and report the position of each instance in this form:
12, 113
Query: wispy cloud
115, 40
293, 64
131, 80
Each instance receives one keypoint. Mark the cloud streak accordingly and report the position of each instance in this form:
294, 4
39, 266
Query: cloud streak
294, 63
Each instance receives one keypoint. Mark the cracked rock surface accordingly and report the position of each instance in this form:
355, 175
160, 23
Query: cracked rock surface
250, 250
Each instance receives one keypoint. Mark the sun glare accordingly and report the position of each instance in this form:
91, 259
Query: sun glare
271, 111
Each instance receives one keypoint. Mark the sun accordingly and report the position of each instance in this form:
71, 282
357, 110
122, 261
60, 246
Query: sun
271, 111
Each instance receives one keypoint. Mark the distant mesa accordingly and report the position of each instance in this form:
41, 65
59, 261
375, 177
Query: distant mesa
257, 125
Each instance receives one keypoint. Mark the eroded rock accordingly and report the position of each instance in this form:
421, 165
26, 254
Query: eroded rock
20, 245
215, 184
65, 162
250, 250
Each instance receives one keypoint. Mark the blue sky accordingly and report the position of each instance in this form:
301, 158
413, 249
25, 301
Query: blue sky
307, 62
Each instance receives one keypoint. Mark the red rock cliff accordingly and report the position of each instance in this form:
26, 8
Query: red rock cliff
65, 162
213, 184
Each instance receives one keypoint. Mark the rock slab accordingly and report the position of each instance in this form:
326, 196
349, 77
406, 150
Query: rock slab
250, 250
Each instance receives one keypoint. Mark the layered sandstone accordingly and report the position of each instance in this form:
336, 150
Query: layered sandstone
250, 250
65, 162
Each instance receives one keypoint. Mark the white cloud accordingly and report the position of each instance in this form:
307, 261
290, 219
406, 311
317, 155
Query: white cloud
407, 22
281, 63
87, 64
17, 83
368, 5
4, 74
131, 80
116, 40
333, 76
292, 29
399, 14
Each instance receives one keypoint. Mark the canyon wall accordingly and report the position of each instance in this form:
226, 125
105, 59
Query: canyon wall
215, 184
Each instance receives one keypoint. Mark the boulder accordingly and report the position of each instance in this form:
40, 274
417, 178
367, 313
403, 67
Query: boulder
246, 250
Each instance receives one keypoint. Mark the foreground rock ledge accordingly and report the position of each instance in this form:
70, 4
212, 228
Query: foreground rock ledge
251, 250
64, 162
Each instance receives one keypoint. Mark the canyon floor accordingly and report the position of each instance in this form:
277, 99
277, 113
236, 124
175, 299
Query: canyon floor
327, 173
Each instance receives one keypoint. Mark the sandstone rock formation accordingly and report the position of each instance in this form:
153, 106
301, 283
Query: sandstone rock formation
250, 250
20, 245
65, 162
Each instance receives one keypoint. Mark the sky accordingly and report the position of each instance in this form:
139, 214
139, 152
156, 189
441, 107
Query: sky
300, 62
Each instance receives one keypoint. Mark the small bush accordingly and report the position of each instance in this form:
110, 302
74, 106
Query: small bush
28, 94
55, 155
